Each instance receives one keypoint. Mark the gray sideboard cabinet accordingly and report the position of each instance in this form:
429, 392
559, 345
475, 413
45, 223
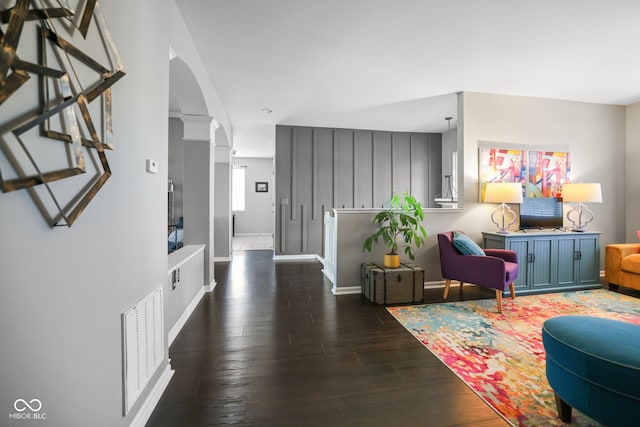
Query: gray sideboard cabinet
550, 261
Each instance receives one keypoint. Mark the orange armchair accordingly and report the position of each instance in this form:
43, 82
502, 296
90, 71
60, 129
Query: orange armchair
622, 265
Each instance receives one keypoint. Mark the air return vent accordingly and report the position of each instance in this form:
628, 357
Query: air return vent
142, 344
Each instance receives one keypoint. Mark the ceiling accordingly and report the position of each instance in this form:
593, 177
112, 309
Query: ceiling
396, 65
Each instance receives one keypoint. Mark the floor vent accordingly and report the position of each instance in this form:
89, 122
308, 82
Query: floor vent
142, 344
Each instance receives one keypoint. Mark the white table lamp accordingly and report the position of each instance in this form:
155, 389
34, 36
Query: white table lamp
503, 193
583, 192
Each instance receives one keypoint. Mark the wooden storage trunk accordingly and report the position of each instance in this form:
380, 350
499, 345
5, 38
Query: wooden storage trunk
401, 285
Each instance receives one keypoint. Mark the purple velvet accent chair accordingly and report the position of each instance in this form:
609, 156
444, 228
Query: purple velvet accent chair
497, 270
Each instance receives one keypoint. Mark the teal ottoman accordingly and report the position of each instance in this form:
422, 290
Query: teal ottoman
593, 365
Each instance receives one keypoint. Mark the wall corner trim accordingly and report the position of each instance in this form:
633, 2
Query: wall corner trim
153, 398
210, 286
182, 320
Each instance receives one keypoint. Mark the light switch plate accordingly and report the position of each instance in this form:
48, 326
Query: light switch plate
152, 166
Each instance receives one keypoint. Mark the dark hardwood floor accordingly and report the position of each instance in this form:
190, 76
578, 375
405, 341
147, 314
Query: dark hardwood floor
272, 346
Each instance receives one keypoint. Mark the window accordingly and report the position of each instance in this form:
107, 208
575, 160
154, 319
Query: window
237, 189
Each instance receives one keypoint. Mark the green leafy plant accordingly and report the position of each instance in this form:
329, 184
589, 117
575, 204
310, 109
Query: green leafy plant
399, 225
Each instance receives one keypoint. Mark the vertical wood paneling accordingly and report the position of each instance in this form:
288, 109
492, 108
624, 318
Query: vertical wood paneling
283, 228
322, 232
373, 162
314, 175
343, 172
419, 168
435, 167
354, 170
283, 164
334, 168
319, 168
393, 184
363, 169
294, 168
410, 167
324, 138
313, 221
381, 168
303, 228
304, 146
401, 159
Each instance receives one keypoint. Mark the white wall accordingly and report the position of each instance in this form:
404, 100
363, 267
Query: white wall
632, 183
257, 216
189, 263
182, 44
594, 133
63, 289
255, 141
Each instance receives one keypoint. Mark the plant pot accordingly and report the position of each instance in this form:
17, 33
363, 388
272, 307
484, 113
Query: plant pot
391, 261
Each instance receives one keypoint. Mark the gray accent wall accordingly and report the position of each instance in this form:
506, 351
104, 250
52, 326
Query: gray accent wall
318, 169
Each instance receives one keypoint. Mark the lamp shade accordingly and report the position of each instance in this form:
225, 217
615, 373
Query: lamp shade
582, 192
503, 192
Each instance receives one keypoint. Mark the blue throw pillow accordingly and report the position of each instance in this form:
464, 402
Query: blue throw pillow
465, 245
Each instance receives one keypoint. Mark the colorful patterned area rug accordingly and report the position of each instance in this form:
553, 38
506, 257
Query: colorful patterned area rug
501, 356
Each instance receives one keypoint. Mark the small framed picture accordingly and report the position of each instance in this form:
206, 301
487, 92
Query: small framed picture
262, 187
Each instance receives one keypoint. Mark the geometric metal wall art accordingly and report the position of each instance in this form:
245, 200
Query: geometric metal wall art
58, 63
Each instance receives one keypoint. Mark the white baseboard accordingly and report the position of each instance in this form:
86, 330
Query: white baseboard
210, 286
436, 284
153, 398
175, 330
346, 290
330, 275
222, 259
300, 257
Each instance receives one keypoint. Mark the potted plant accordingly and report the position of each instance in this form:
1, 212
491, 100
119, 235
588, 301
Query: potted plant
399, 225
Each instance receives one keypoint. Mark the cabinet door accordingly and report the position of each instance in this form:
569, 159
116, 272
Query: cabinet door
568, 255
542, 268
521, 248
589, 260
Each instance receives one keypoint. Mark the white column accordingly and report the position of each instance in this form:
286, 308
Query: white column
199, 173
222, 209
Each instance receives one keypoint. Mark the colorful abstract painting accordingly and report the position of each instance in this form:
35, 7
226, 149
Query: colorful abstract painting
501, 356
547, 171
501, 165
